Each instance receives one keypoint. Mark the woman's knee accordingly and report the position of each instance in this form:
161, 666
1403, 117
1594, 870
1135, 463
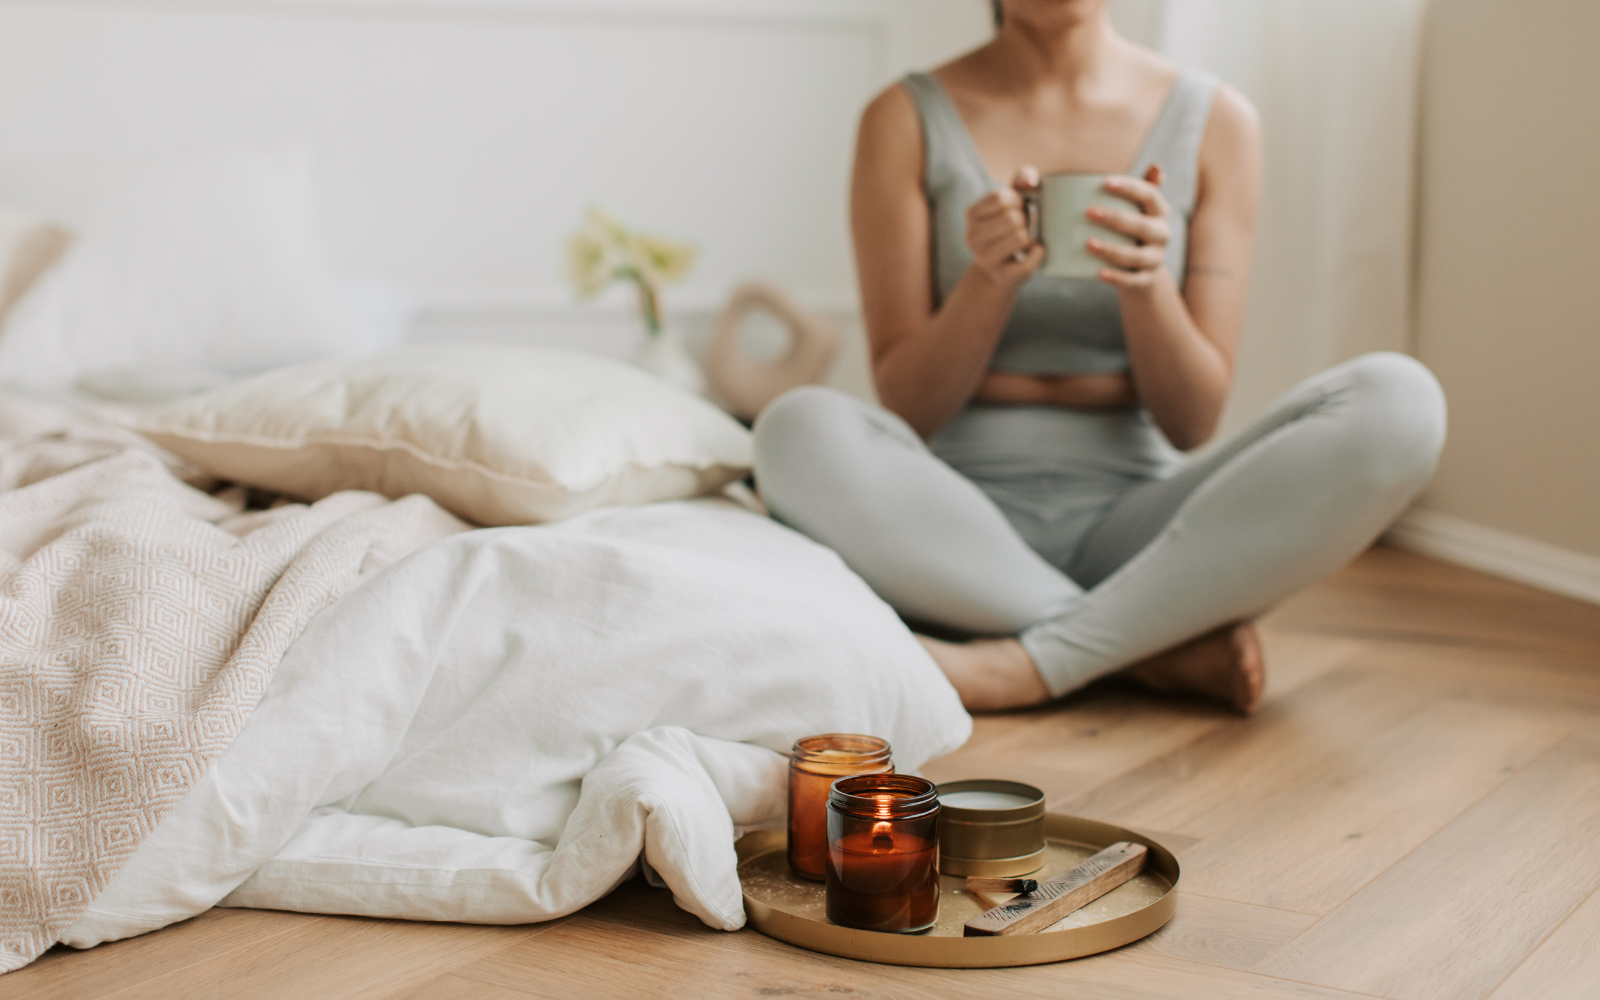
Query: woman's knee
801, 440
1400, 411
801, 412
798, 425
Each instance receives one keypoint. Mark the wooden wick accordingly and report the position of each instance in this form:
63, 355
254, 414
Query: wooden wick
1061, 895
976, 884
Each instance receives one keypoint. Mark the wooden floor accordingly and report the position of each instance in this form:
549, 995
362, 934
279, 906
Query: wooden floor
1415, 813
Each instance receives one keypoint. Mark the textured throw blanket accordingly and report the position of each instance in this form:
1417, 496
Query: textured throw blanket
140, 622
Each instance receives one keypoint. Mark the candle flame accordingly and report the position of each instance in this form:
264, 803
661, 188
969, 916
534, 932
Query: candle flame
881, 837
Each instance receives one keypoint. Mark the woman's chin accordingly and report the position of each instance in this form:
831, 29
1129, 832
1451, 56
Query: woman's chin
1052, 15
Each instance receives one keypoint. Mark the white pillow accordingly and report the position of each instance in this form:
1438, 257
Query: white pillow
214, 264
498, 435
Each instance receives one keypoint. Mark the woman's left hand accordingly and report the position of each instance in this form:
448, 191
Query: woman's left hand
1136, 267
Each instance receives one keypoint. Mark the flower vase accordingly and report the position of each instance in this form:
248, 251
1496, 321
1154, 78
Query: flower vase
664, 355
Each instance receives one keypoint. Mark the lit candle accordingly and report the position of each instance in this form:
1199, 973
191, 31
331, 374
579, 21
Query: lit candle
883, 845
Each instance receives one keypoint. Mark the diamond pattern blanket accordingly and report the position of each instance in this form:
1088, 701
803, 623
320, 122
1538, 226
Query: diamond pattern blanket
141, 619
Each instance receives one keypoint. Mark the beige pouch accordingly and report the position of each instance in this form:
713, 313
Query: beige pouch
28, 246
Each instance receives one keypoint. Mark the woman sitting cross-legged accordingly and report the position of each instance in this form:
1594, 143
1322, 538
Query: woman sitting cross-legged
1023, 482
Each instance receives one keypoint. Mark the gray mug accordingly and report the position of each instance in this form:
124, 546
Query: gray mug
1056, 219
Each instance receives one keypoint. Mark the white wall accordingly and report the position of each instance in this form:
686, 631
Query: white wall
1507, 297
1335, 82
459, 140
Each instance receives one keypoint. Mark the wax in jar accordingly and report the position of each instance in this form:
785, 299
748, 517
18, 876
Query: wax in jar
883, 880
983, 800
808, 822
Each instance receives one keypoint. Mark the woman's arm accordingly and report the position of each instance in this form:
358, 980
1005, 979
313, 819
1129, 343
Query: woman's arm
1182, 344
927, 364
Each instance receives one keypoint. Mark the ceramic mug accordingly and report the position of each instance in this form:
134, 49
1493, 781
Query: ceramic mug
1056, 218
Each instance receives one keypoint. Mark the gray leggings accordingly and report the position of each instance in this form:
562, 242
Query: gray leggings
1084, 532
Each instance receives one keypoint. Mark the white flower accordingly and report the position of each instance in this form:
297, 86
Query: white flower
661, 261
591, 261
603, 250
606, 224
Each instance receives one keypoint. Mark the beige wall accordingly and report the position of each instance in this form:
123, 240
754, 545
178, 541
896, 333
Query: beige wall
1508, 304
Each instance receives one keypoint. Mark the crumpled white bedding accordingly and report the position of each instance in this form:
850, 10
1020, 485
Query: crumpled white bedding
140, 622
500, 726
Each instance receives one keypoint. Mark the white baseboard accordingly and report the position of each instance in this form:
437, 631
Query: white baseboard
1499, 552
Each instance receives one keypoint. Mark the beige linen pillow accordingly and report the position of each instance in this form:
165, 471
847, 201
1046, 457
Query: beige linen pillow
498, 435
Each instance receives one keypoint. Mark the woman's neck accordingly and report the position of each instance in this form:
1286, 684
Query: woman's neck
1073, 54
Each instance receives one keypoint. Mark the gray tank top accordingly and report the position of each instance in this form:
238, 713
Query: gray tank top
1058, 325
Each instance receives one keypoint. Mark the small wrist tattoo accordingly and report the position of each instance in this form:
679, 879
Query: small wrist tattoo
1208, 271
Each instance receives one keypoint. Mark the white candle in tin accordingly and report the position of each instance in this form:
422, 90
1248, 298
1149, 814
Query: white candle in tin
983, 800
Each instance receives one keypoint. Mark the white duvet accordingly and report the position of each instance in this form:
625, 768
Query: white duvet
501, 726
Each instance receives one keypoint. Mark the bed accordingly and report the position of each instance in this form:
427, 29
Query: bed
446, 633
362, 705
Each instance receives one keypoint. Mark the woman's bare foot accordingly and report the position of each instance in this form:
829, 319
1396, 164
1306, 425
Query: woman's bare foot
1224, 665
990, 675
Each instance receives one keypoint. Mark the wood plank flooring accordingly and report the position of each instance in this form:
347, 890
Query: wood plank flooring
1414, 814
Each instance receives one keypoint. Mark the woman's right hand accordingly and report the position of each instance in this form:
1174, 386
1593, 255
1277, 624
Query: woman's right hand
997, 233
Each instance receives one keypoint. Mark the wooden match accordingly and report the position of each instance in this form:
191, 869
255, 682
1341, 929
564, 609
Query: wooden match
976, 884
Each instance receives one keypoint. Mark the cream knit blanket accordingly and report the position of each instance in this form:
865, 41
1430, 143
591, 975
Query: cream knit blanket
140, 622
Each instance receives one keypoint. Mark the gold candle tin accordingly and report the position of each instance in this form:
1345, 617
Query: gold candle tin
999, 841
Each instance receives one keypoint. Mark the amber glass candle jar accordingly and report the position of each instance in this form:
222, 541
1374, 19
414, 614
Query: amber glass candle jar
883, 845
814, 764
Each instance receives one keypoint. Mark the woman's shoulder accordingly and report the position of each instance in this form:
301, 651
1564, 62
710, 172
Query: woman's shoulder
898, 102
1233, 128
889, 138
973, 62
972, 72
1230, 110
1230, 154
891, 115
1155, 68
1234, 111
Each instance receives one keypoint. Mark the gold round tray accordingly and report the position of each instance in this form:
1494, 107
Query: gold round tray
782, 905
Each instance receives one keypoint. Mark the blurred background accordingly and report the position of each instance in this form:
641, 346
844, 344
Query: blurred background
1431, 180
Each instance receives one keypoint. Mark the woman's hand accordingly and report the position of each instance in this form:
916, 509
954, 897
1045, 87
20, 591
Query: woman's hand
997, 233
1136, 267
